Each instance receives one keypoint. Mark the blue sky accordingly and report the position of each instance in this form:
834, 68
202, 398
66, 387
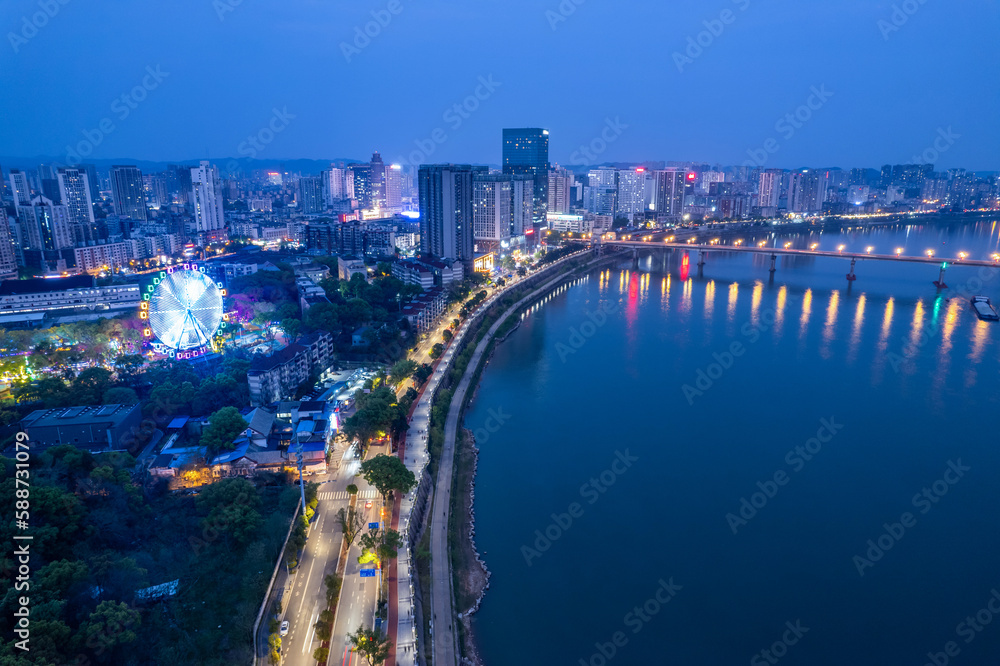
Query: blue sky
225, 67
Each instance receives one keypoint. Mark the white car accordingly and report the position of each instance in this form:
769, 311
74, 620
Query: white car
284, 628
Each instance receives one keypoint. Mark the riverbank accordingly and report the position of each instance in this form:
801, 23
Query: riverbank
469, 569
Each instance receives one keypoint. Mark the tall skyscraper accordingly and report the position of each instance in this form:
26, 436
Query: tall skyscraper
333, 185
8, 251
45, 226
769, 188
526, 152
806, 191
311, 195
19, 188
502, 206
560, 191
361, 177
631, 192
128, 192
394, 178
377, 181
93, 184
446, 217
668, 191
206, 196
74, 193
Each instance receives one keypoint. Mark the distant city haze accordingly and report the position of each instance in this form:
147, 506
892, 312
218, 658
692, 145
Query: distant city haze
780, 84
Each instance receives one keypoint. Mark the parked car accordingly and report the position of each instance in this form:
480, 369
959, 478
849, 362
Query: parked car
284, 628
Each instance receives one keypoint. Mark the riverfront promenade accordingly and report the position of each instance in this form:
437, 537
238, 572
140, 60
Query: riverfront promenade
445, 639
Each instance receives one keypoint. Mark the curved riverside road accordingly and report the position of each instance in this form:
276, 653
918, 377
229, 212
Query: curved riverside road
445, 638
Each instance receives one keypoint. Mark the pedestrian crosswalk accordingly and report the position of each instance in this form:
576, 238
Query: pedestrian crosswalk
342, 495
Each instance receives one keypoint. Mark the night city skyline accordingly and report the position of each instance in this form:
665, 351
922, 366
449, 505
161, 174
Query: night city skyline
499, 332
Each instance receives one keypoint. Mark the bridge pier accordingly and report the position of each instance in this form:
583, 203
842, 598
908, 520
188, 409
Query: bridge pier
851, 277
774, 258
940, 281
701, 257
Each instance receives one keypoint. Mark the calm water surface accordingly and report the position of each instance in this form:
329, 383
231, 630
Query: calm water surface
756, 479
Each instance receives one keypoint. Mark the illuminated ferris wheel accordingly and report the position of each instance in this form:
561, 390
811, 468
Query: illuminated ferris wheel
184, 309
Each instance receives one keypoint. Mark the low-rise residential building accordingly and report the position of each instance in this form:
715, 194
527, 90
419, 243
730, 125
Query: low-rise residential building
105, 256
276, 377
348, 266
412, 272
423, 310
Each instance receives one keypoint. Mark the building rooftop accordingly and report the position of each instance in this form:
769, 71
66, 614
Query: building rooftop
111, 414
46, 285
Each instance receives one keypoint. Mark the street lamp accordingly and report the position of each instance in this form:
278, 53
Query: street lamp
930, 253
962, 255
869, 249
840, 248
899, 251
814, 246
787, 245
762, 244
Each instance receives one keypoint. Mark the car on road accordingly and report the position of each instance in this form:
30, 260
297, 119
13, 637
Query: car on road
368, 504
284, 628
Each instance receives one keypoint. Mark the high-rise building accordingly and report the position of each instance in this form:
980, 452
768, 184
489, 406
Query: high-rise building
446, 218
377, 181
502, 205
333, 185
128, 192
74, 193
631, 192
668, 191
8, 251
709, 177
45, 226
526, 152
769, 188
311, 195
19, 188
560, 191
206, 197
806, 191
394, 179
361, 177
93, 184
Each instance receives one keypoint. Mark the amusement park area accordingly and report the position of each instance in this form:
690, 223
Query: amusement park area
189, 418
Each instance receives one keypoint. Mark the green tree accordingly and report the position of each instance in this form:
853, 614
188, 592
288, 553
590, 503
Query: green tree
401, 370
321, 654
436, 350
90, 385
292, 327
333, 583
446, 334
373, 645
422, 374
120, 395
351, 522
223, 427
127, 368
323, 317
388, 474
352, 489
110, 626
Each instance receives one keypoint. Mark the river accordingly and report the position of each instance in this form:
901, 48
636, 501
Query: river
730, 469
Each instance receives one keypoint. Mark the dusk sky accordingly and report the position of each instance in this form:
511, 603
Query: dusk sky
893, 90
